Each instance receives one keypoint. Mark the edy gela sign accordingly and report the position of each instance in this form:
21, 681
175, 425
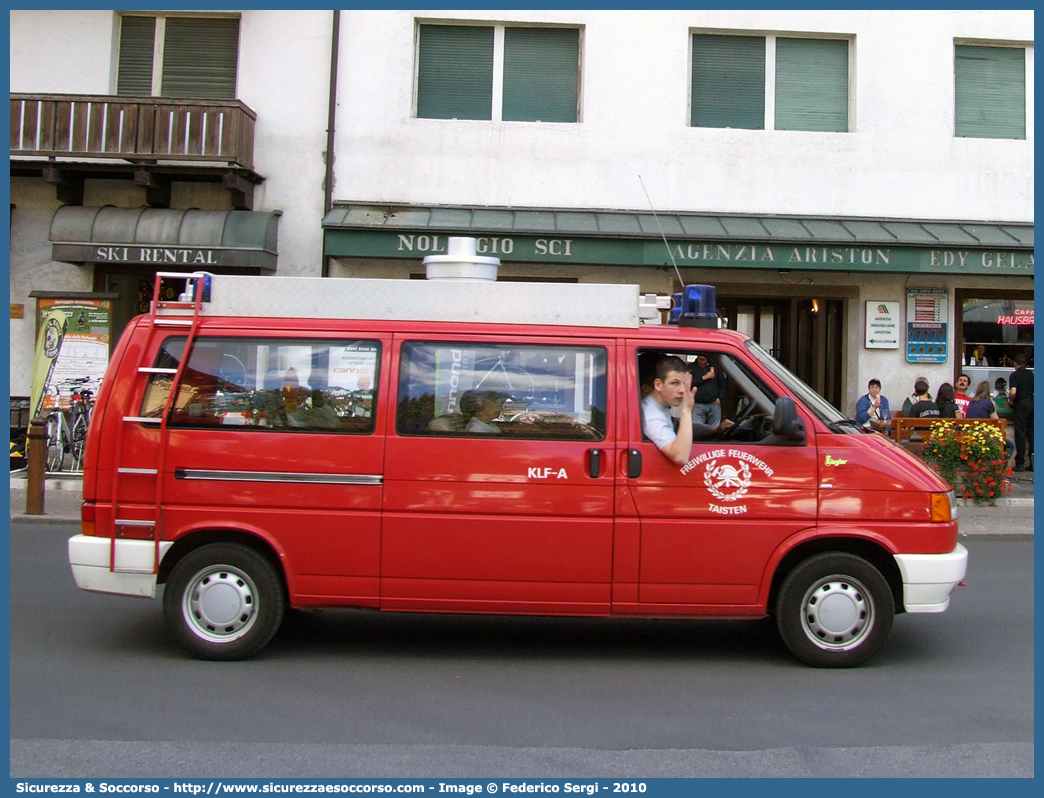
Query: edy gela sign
627, 252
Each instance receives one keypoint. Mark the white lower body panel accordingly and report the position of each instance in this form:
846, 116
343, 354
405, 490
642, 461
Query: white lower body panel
134, 565
929, 579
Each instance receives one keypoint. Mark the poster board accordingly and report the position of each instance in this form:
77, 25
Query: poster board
72, 344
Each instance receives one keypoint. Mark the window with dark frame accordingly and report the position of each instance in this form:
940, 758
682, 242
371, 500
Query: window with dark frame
268, 384
989, 92
455, 72
728, 81
729, 87
999, 328
481, 389
199, 57
539, 69
743, 389
812, 84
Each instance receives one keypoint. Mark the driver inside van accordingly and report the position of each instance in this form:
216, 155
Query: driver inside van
480, 408
672, 387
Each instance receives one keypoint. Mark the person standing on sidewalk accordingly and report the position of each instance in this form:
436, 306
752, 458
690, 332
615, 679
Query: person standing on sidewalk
1020, 394
710, 388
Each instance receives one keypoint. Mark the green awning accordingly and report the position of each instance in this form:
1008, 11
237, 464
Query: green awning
165, 238
631, 238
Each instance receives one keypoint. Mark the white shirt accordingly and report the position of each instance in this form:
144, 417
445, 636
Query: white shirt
656, 422
478, 425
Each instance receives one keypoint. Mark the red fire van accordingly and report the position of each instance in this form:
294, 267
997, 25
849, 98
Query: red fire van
476, 447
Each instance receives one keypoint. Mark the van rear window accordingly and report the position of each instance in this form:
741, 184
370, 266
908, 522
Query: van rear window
268, 384
477, 390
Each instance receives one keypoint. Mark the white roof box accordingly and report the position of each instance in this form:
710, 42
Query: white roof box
572, 304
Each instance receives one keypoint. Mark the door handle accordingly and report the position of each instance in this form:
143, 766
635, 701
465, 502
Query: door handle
634, 463
594, 464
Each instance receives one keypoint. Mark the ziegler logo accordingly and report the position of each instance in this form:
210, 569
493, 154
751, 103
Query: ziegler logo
832, 461
726, 482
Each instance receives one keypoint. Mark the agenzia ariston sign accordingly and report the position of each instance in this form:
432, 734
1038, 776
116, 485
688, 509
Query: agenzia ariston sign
882, 325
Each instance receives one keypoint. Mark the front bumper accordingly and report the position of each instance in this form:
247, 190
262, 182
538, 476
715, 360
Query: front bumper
134, 564
929, 579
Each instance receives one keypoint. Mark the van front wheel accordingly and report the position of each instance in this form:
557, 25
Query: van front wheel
223, 601
834, 610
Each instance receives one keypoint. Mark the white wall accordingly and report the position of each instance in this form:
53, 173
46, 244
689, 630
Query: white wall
32, 269
62, 52
284, 76
900, 160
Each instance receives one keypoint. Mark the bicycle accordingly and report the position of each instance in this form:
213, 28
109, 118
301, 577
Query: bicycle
67, 429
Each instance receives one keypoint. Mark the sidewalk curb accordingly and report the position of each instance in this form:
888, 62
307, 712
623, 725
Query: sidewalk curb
997, 503
964, 536
68, 482
44, 519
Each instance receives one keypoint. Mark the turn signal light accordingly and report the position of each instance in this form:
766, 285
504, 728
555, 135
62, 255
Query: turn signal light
87, 514
944, 507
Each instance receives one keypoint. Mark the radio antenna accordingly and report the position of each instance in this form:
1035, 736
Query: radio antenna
670, 254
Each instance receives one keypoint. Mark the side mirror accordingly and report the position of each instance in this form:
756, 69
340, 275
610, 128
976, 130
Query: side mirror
786, 423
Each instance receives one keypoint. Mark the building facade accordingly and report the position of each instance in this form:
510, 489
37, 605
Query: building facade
858, 185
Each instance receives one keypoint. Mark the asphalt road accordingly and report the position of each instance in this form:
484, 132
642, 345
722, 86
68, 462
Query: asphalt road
98, 689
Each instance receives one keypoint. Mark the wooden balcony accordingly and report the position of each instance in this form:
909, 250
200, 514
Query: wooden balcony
140, 130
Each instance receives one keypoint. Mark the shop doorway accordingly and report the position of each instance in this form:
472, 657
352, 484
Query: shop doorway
806, 335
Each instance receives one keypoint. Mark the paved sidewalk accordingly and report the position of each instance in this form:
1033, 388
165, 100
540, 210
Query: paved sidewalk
1012, 516
62, 499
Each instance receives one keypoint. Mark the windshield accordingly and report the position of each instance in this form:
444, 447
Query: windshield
819, 406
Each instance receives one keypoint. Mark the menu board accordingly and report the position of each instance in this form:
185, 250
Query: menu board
926, 325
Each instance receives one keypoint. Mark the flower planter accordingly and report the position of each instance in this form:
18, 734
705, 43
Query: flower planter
970, 458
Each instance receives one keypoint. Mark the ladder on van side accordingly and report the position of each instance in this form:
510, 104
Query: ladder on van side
162, 315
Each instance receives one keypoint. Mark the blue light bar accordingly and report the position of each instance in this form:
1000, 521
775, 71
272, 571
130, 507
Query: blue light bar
698, 307
676, 309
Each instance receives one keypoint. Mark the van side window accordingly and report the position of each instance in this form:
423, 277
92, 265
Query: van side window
477, 390
722, 378
268, 384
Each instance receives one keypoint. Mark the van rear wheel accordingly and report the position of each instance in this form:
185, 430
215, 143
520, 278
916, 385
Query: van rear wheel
835, 610
223, 601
